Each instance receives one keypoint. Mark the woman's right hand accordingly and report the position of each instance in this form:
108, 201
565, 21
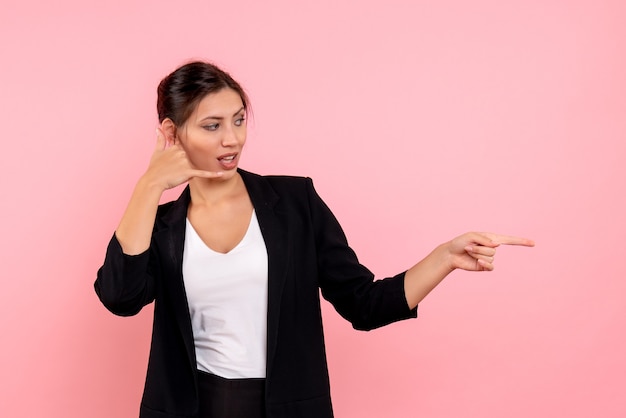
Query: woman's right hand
170, 167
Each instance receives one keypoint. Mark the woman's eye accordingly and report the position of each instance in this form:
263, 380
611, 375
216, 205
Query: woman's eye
240, 121
212, 127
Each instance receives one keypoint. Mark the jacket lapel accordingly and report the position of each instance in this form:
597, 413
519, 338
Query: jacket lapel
274, 230
170, 239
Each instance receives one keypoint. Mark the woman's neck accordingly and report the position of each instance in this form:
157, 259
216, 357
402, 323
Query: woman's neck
215, 191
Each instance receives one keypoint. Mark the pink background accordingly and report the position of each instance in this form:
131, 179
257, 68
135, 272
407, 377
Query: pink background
418, 120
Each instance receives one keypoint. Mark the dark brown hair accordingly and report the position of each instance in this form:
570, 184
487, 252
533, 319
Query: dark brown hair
180, 92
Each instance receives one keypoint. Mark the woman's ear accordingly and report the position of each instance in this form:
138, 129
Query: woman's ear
169, 130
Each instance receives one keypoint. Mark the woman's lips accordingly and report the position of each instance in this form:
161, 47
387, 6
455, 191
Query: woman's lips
228, 161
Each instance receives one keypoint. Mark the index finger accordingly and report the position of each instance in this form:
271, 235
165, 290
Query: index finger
510, 240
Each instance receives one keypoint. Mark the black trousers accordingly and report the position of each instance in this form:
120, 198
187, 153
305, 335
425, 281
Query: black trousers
230, 398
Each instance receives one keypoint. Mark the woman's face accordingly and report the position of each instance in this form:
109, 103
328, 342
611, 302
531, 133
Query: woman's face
215, 133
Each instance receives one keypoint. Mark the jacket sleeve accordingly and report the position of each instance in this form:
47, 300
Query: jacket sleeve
348, 285
125, 283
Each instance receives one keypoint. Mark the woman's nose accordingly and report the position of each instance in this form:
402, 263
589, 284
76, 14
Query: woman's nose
229, 138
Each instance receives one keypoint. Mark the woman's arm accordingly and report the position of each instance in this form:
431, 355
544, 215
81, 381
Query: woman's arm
473, 251
126, 281
169, 167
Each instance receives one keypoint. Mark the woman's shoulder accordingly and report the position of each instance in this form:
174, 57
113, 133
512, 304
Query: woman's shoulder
289, 189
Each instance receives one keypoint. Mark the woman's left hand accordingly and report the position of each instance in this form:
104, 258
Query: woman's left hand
475, 251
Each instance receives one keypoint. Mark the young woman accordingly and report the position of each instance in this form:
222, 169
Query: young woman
235, 265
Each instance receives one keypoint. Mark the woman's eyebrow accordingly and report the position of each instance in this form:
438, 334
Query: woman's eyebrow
221, 117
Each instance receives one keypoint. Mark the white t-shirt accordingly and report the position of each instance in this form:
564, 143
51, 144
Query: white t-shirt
227, 296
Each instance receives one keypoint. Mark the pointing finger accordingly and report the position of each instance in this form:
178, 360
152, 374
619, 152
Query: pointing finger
510, 240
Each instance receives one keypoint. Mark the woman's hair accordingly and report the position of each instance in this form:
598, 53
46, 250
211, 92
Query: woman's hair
180, 92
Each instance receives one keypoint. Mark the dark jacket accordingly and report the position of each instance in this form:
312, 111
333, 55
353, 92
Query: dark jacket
307, 251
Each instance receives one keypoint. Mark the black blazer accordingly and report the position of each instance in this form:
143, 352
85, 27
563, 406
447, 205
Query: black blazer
307, 251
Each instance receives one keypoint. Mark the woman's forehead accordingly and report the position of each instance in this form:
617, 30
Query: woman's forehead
225, 102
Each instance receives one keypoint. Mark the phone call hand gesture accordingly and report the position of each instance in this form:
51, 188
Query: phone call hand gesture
170, 166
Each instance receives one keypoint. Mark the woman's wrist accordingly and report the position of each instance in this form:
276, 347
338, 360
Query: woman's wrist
149, 184
445, 257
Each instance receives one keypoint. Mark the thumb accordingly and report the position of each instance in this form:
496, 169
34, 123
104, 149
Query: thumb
484, 240
160, 142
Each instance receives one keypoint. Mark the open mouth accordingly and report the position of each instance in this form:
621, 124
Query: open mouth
228, 161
